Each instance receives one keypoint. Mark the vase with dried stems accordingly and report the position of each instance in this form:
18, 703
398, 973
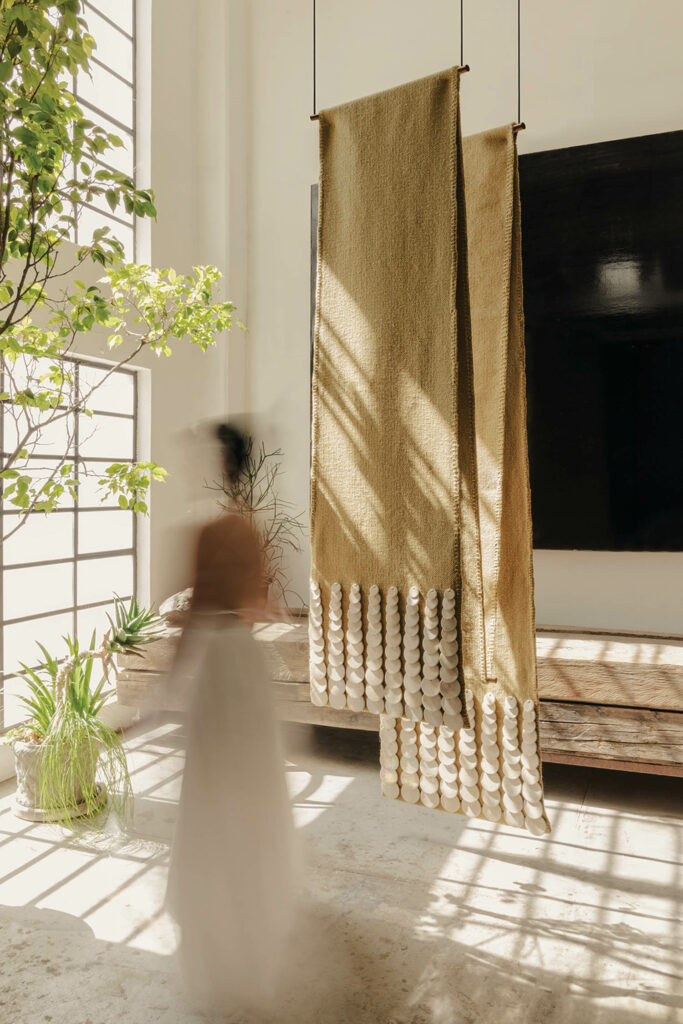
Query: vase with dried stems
278, 524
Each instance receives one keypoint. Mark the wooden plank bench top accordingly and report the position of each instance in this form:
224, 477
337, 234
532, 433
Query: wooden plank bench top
624, 669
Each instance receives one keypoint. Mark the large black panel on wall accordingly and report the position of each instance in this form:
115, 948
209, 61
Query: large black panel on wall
602, 230
602, 236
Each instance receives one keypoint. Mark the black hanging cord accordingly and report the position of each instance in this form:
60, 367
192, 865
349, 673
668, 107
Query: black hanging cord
462, 37
315, 111
519, 61
315, 116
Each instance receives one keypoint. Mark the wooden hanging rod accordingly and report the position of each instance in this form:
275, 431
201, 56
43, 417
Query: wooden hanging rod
461, 71
519, 127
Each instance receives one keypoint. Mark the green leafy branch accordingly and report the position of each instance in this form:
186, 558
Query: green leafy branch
131, 481
53, 161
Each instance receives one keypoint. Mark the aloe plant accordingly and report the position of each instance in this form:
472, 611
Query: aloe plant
132, 628
81, 757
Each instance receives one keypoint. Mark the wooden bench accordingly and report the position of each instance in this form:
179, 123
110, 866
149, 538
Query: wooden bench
609, 700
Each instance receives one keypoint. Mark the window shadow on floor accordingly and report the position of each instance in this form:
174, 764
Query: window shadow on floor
411, 916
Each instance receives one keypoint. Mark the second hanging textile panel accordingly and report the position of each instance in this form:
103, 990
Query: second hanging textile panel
492, 768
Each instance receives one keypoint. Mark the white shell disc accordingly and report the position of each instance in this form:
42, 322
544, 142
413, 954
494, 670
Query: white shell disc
469, 761
427, 748
531, 775
490, 752
532, 792
467, 747
433, 702
469, 794
491, 783
493, 813
428, 784
513, 804
390, 761
431, 687
517, 820
412, 684
450, 803
413, 698
432, 717
513, 787
448, 773
536, 826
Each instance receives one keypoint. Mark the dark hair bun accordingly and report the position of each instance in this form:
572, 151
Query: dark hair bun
235, 445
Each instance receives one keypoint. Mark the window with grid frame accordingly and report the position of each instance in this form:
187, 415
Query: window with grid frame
59, 572
107, 97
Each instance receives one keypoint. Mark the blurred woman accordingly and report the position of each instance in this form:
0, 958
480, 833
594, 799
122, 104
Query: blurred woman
231, 865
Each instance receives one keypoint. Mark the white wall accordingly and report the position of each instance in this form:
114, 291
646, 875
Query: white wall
590, 72
191, 385
197, 104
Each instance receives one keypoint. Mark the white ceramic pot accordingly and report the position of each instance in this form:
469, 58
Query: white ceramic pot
28, 803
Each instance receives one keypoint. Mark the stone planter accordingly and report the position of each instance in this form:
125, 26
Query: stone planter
28, 803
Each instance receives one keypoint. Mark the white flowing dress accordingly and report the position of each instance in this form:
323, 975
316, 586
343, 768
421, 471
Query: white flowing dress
230, 883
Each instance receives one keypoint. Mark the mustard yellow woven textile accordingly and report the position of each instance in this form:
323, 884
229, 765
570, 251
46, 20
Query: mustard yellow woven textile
492, 768
396, 597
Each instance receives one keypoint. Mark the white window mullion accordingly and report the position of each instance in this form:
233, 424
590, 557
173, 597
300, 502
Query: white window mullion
59, 572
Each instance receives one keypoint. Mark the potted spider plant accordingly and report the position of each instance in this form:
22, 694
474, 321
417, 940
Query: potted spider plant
69, 761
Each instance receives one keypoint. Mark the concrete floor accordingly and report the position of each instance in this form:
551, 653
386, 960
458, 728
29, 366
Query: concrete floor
419, 916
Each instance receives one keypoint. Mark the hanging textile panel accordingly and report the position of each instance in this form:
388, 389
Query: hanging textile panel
492, 768
396, 609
